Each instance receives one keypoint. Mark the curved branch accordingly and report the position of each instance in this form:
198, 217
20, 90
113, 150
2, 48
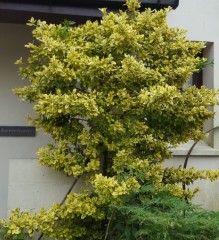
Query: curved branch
81, 90
190, 151
63, 201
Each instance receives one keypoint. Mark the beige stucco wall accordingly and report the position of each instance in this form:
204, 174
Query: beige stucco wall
200, 18
12, 111
208, 196
24, 183
32, 186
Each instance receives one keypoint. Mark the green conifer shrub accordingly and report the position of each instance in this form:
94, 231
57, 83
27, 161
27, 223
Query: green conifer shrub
109, 93
148, 214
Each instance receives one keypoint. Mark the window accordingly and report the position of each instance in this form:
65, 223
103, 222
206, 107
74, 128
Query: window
196, 78
205, 77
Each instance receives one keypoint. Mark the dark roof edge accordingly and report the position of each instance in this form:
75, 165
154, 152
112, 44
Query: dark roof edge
115, 4
55, 10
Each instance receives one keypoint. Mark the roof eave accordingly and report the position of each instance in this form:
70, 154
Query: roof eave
53, 11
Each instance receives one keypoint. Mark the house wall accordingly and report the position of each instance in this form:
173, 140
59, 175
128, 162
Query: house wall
200, 18
25, 184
